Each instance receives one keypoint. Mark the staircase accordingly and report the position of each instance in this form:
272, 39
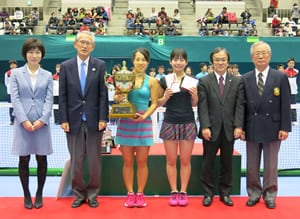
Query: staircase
117, 22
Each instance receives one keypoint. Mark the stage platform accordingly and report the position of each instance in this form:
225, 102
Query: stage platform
112, 181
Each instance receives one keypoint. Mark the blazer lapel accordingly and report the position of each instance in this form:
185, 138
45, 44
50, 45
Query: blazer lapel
90, 74
215, 86
27, 79
76, 75
227, 85
268, 86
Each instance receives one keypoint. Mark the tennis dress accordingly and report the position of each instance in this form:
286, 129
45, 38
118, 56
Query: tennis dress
132, 133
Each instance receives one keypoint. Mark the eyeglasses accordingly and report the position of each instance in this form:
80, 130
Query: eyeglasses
263, 53
84, 42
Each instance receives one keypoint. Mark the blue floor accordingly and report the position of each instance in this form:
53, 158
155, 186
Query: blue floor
11, 187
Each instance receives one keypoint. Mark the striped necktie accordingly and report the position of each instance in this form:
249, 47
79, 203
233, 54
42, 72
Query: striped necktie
260, 84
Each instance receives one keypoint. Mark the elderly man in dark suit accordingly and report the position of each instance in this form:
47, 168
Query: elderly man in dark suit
268, 122
83, 107
221, 116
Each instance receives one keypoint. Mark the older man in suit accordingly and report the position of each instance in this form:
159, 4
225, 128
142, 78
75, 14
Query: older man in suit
268, 122
221, 115
83, 107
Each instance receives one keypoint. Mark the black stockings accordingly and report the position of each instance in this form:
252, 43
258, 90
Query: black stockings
24, 173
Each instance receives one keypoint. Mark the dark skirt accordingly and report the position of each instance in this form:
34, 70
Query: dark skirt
187, 131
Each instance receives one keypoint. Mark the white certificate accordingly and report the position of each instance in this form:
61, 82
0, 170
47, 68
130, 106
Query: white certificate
189, 82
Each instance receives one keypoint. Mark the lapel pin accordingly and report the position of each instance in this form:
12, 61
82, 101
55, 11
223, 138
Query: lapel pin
93, 69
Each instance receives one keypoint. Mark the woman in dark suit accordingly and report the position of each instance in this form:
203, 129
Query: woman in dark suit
32, 99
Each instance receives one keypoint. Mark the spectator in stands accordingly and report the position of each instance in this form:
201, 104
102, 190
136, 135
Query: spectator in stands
178, 129
102, 16
84, 27
244, 29
271, 11
35, 13
93, 27
189, 71
152, 72
87, 19
203, 70
139, 14
72, 23
8, 28
176, 16
130, 14
263, 134
276, 21
221, 118
274, 4
12, 65
253, 31
235, 70
75, 13
161, 72
18, 14
81, 14
32, 100
129, 23
280, 67
219, 30
161, 27
246, 15
135, 135
162, 15
100, 31
170, 29
210, 69
61, 28
209, 16
152, 17
30, 23
292, 74
52, 22
55, 77
295, 13
3, 14
222, 17
138, 27
203, 30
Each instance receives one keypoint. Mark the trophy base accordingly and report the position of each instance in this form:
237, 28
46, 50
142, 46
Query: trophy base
122, 110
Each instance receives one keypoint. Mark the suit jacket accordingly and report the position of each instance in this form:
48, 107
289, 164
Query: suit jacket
94, 100
31, 104
215, 110
269, 113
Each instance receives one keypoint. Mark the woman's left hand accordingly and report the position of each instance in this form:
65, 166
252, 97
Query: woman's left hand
37, 124
138, 117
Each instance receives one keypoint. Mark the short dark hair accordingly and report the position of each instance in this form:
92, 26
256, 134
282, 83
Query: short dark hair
217, 50
202, 64
291, 59
33, 43
178, 52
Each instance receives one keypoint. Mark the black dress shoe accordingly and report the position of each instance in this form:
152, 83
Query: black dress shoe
93, 203
226, 200
207, 201
251, 202
38, 203
78, 202
28, 202
270, 204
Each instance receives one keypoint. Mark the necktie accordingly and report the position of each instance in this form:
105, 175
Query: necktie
82, 77
260, 84
82, 84
221, 85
